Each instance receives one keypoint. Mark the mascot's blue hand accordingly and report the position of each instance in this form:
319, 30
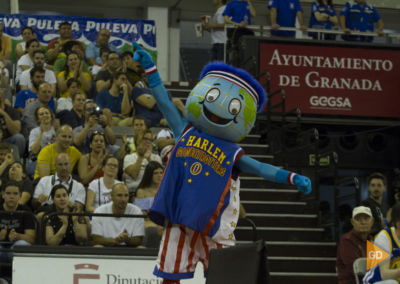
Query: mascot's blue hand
142, 56
303, 183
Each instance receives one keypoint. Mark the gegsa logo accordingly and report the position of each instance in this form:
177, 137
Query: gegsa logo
334, 102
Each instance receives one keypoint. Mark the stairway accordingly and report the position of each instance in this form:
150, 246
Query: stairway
193, 61
296, 252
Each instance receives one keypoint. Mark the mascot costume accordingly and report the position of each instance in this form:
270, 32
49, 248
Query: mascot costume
198, 199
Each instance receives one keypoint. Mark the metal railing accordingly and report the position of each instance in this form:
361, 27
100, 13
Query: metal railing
338, 197
331, 170
265, 31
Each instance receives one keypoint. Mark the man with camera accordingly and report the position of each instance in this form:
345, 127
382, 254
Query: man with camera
96, 119
76, 191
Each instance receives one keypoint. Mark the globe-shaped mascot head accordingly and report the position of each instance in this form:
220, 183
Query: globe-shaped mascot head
225, 102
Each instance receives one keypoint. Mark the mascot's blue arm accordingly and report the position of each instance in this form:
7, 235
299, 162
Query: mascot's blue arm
169, 111
271, 173
166, 106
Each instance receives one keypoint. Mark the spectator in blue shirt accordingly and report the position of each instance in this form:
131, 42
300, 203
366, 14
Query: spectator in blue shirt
239, 13
323, 16
93, 49
357, 15
283, 14
116, 100
27, 96
145, 104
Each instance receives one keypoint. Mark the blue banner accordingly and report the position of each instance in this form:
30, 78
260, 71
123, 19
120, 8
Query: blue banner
84, 29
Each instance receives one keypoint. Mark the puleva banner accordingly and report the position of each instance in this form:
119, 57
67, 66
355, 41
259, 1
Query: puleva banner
84, 29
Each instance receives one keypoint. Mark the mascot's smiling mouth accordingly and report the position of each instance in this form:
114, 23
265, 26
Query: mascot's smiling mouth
214, 118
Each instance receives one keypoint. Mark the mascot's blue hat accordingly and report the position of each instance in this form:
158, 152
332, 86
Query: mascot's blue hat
239, 77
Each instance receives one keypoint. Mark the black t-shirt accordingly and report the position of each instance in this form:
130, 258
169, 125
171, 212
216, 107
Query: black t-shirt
152, 116
25, 185
376, 210
133, 76
19, 221
56, 224
14, 114
71, 118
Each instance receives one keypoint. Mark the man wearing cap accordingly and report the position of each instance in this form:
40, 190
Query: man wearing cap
353, 244
388, 240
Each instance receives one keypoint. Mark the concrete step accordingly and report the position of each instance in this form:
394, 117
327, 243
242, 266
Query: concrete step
251, 149
282, 207
293, 234
179, 92
284, 220
301, 249
272, 194
302, 264
303, 278
250, 181
307, 248
251, 139
262, 158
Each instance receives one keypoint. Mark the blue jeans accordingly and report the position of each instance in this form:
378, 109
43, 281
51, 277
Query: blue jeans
7, 256
30, 167
217, 52
18, 140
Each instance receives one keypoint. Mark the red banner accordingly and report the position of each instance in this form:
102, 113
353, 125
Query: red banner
335, 80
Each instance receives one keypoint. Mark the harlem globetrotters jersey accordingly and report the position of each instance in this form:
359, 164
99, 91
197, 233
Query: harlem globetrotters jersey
374, 274
199, 183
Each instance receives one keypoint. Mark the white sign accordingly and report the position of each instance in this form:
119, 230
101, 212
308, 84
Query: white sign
81, 269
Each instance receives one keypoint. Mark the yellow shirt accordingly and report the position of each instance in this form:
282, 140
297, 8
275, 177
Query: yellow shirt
70, 75
48, 155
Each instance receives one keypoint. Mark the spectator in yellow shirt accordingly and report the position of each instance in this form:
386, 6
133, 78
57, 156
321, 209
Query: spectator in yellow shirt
47, 156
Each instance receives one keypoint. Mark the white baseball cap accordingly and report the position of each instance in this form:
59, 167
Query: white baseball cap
362, 210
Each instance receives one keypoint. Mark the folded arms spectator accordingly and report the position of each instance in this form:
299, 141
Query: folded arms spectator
109, 231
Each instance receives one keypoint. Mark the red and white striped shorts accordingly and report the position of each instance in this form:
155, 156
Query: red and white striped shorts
181, 249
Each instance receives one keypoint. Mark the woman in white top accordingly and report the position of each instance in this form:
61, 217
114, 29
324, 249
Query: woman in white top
40, 136
26, 60
99, 190
27, 34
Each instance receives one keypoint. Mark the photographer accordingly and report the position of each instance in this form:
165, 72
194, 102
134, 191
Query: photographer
95, 120
76, 192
